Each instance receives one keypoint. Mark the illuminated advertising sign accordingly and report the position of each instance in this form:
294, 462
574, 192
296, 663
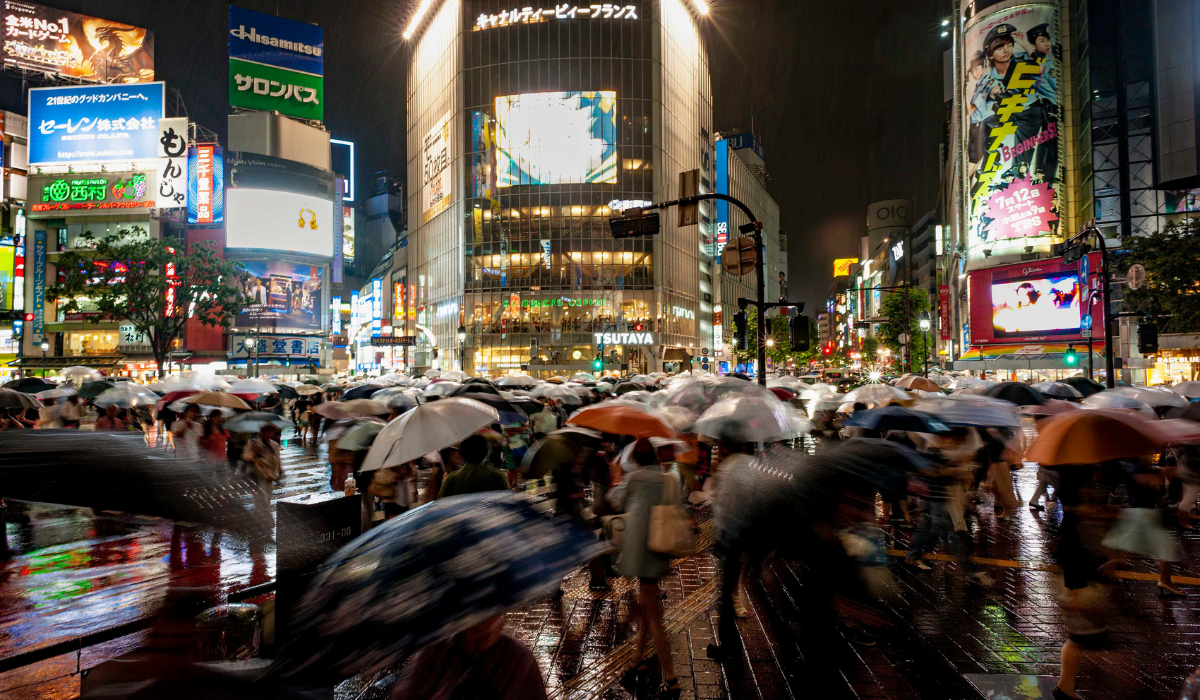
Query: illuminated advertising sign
436, 185
348, 232
624, 338
398, 315
339, 251
172, 163
276, 64
376, 307
77, 46
304, 347
841, 266
283, 295
549, 138
336, 306
944, 310
85, 194
1012, 73
94, 123
1034, 301
206, 184
272, 220
722, 222
557, 11
39, 283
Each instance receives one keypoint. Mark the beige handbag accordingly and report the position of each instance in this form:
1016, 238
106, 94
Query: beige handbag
670, 533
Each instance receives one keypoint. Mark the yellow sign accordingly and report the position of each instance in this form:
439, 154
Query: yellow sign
841, 266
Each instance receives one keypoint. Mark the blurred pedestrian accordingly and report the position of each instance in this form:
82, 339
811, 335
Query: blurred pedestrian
1139, 529
187, 431
262, 461
110, 421
71, 412
480, 662
476, 474
544, 421
641, 490
1187, 469
215, 439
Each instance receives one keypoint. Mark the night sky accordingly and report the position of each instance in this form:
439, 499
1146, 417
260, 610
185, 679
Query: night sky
846, 96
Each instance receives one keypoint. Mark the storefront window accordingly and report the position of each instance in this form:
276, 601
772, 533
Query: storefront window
93, 343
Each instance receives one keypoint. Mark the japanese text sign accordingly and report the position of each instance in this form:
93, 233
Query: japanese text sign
94, 123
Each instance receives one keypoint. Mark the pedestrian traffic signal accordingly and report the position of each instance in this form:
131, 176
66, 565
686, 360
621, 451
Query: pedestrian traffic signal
828, 349
1147, 337
598, 364
639, 327
798, 331
740, 330
1071, 356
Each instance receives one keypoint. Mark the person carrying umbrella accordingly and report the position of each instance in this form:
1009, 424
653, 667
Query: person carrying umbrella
71, 412
110, 421
476, 474
942, 491
262, 460
187, 431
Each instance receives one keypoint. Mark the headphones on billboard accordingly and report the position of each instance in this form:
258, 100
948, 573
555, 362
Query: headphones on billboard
312, 224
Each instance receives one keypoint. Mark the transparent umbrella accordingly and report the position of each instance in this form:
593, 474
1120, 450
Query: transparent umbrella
428, 428
127, 396
253, 386
742, 418
517, 381
455, 375
442, 388
80, 374
432, 374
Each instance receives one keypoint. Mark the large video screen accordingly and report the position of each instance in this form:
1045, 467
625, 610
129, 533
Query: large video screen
271, 220
285, 296
547, 138
1036, 305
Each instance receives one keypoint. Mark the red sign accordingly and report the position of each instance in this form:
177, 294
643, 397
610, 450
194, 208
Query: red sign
1030, 302
204, 182
69, 206
1021, 209
944, 310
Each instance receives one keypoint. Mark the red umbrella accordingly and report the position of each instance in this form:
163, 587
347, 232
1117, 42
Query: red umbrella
173, 396
784, 393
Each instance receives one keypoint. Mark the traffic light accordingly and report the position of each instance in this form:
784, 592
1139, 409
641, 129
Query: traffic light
639, 327
828, 349
1147, 337
1071, 356
740, 330
598, 364
798, 330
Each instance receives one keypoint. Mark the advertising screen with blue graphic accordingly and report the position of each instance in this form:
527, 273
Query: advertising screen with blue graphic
549, 138
94, 123
283, 295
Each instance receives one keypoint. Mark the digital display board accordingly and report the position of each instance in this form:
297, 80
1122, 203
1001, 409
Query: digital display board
206, 184
94, 123
284, 295
273, 220
1035, 305
74, 45
548, 138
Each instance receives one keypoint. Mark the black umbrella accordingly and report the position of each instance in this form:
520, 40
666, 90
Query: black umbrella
286, 392
1018, 393
1190, 412
897, 418
492, 400
1083, 385
626, 387
477, 380
91, 390
30, 385
738, 375
314, 382
12, 399
879, 464
475, 387
527, 405
362, 392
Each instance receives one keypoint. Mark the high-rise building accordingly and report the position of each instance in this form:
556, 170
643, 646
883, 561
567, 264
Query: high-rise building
527, 131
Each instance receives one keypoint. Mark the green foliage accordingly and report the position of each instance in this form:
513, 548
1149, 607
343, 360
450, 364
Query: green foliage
900, 317
780, 347
123, 276
1172, 261
870, 349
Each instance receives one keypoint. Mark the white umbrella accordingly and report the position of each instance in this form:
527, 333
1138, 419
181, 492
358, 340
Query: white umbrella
642, 379
80, 374
253, 386
432, 374
581, 377
59, 393
878, 395
441, 388
455, 375
306, 390
1189, 389
428, 428
1152, 396
127, 395
1111, 398
517, 381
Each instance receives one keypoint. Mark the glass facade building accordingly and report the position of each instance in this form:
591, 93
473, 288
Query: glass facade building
527, 131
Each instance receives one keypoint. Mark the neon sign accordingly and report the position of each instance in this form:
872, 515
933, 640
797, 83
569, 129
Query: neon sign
528, 15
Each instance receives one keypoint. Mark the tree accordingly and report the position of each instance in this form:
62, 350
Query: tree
870, 349
779, 346
1170, 257
129, 275
901, 320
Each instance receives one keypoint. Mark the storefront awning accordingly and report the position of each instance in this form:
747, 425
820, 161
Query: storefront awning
677, 355
1027, 356
95, 361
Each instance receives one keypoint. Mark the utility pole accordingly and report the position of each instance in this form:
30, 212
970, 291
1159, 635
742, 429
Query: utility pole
1075, 249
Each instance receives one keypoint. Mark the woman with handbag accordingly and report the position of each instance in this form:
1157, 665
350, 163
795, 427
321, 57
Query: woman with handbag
647, 496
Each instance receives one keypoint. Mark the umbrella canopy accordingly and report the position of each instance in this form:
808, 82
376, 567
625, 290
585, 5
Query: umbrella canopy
1058, 390
395, 398
526, 404
798, 425
51, 394
1052, 407
1083, 385
783, 393
174, 396
476, 387
30, 385
1090, 437
442, 388
253, 386
127, 396
883, 464
972, 414
622, 419
1190, 390
641, 396
582, 377
432, 373
1115, 399
897, 418
427, 575
17, 399
558, 393
216, 398
556, 380
361, 407
428, 428
80, 374
455, 375
878, 396
312, 382
359, 436
1016, 392
744, 418
93, 389
559, 447
916, 381
971, 383
253, 421
286, 392
365, 391
1152, 396
306, 390
509, 414
517, 381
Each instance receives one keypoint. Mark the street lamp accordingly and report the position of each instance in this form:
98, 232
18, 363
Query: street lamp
462, 348
251, 344
45, 347
925, 323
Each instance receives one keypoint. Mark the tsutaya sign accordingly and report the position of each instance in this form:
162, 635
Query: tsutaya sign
624, 338
560, 10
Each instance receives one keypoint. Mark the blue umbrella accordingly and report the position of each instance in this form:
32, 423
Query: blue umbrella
972, 412
427, 575
897, 418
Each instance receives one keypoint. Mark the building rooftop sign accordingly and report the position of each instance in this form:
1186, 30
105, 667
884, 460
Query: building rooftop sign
530, 15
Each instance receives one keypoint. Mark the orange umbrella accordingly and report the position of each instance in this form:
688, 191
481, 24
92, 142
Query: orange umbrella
1089, 437
916, 381
619, 419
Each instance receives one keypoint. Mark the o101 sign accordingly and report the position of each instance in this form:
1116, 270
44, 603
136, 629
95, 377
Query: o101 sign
624, 338
565, 10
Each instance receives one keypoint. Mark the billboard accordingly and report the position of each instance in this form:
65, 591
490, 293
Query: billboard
841, 266
77, 46
94, 123
348, 232
87, 193
276, 64
273, 220
1043, 300
548, 138
1011, 104
172, 163
206, 184
436, 186
285, 295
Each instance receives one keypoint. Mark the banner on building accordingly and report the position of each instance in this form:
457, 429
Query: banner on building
206, 184
276, 64
944, 310
339, 251
87, 193
282, 295
39, 283
74, 45
435, 169
304, 348
94, 123
1011, 116
172, 163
